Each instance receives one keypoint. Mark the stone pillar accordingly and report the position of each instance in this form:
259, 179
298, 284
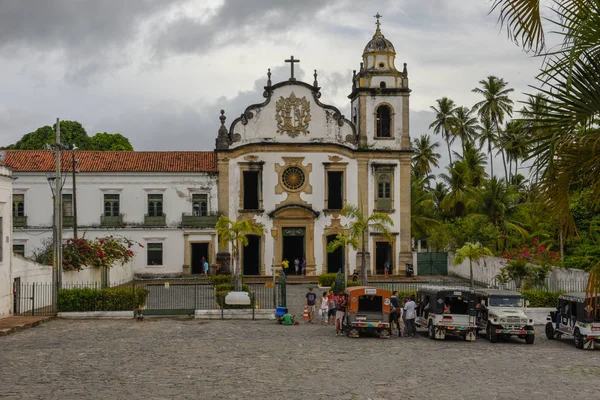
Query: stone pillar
405, 140
363, 189
223, 255
405, 255
362, 127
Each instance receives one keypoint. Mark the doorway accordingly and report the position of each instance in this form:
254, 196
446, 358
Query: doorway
293, 245
335, 260
16, 296
251, 256
199, 250
383, 253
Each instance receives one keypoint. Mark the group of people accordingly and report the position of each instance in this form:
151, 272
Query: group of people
299, 266
406, 313
330, 308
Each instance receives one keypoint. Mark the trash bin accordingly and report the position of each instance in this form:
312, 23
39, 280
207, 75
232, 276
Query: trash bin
409, 270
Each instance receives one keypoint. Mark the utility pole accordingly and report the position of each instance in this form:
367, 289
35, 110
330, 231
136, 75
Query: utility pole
74, 193
58, 211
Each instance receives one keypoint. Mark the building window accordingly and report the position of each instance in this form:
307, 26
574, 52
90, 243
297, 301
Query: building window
111, 205
251, 182
18, 205
67, 205
200, 205
155, 253
382, 85
19, 249
384, 190
335, 190
384, 121
155, 205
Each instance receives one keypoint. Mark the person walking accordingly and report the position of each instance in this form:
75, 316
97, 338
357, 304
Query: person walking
324, 309
340, 312
297, 265
285, 264
395, 313
332, 300
409, 317
311, 299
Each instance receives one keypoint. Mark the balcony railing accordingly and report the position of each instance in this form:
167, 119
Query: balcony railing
150, 220
20, 222
111, 221
198, 221
67, 221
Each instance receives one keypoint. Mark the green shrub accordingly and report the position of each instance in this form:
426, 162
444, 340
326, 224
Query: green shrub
108, 299
220, 295
349, 284
221, 287
326, 279
219, 279
541, 298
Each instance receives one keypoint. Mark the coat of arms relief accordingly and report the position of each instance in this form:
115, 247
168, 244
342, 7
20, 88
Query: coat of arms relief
292, 115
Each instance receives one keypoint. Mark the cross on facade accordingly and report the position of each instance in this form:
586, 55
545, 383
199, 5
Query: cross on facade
378, 16
292, 61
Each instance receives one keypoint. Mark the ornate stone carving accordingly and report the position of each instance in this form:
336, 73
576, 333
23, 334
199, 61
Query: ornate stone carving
251, 158
292, 115
335, 158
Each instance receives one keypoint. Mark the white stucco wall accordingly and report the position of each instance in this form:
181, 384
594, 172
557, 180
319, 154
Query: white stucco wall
488, 267
6, 241
133, 188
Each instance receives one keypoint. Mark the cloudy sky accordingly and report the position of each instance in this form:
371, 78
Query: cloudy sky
159, 71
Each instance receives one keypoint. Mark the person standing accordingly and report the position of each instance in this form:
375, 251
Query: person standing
204, 269
395, 313
409, 317
332, 300
340, 312
324, 309
285, 264
355, 276
386, 268
311, 299
297, 265
303, 266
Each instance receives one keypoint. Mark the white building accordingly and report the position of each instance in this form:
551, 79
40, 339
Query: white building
5, 241
166, 201
292, 163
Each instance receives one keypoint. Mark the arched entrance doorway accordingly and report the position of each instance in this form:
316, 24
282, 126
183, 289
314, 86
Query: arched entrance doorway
251, 256
335, 260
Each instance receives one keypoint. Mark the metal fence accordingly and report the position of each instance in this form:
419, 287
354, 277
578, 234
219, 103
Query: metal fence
548, 285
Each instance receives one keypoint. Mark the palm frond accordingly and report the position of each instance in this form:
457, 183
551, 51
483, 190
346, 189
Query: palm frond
523, 22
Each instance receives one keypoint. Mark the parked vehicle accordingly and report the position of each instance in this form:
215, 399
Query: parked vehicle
368, 311
576, 316
446, 311
501, 313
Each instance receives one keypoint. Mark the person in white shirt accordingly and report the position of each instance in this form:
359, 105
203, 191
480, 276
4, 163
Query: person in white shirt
409, 317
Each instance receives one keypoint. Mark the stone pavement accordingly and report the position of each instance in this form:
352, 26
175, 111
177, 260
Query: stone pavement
192, 359
13, 324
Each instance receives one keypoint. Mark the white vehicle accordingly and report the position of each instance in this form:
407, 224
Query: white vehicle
446, 311
576, 316
502, 313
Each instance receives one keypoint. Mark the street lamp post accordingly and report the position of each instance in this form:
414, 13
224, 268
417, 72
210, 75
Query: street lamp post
74, 166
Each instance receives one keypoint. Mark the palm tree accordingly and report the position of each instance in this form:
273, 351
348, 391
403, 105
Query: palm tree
514, 142
422, 209
424, 155
236, 233
488, 135
358, 233
458, 180
464, 125
439, 193
474, 252
441, 125
495, 105
475, 162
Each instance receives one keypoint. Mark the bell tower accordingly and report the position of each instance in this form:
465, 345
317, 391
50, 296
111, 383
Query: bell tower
379, 98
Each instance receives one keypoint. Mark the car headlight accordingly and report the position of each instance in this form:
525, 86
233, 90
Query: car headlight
502, 319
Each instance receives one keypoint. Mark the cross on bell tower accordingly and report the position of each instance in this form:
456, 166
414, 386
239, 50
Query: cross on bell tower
378, 16
292, 61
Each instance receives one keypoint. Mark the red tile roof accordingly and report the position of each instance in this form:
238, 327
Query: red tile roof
114, 161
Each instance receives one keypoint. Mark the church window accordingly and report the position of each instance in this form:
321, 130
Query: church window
382, 85
335, 192
155, 253
155, 205
18, 205
19, 249
111, 205
384, 190
67, 204
251, 190
200, 204
384, 121
381, 65
293, 178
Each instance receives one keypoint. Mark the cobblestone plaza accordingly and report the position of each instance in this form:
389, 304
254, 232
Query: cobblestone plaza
184, 358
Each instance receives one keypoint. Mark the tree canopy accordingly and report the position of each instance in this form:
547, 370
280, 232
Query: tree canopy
72, 133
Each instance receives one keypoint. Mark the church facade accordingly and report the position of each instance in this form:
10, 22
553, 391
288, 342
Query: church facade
291, 163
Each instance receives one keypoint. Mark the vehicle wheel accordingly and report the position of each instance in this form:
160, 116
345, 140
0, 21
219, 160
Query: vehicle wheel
431, 330
578, 339
492, 335
529, 339
550, 331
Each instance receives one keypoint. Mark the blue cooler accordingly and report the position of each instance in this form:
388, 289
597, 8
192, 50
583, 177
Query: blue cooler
279, 313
